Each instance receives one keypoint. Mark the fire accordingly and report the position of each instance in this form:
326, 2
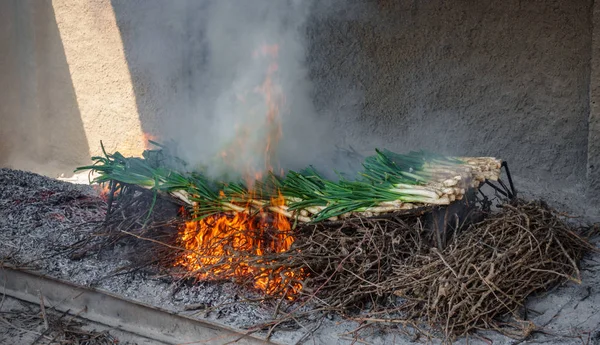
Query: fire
237, 246
147, 137
255, 142
103, 190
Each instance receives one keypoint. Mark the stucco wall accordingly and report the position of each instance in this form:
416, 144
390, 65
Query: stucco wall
100, 74
40, 122
504, 78
594, 116
66, 85
509, 79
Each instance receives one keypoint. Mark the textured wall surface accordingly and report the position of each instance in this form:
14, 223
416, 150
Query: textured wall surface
40, 123
100, 75
163, 70
66, 85
594, 119
504, 78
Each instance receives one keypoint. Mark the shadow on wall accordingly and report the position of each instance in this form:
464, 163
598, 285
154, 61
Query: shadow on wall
40, 124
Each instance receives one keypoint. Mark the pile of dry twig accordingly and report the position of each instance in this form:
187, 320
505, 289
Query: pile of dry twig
489, 270
350, 262
480, 281
486, 272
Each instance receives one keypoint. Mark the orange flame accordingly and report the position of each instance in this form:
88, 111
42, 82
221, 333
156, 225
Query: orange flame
103, 190
147, 137
245, 147
238, 246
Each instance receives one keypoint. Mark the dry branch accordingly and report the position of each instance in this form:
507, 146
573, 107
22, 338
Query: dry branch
490, 269
485, 273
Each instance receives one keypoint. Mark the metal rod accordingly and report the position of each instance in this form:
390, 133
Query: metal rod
510, 195
510, 181
498, 189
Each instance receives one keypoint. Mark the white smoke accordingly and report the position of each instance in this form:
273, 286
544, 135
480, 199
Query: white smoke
231, 33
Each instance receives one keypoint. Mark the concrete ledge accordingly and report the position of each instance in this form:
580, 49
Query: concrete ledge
117, 312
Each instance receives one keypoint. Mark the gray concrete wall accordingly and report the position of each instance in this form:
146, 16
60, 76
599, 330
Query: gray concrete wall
593, 167
513, 79
502, 78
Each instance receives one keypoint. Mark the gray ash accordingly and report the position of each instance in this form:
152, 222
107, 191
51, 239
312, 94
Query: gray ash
45, 222
58, 228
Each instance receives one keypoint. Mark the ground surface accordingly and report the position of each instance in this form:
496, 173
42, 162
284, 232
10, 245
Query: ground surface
42, 220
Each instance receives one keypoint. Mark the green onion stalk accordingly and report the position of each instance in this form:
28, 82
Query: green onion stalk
388, 182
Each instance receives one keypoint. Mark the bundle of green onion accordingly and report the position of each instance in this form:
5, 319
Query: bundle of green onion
388, 182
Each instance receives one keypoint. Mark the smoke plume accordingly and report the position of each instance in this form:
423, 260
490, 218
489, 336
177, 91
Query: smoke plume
246, 64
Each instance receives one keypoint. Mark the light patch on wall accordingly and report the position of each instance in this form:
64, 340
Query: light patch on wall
100, 75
